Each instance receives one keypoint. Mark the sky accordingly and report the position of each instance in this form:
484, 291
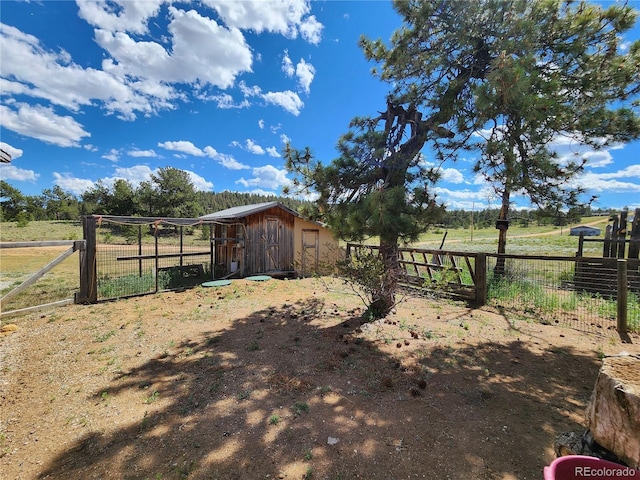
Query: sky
105, 90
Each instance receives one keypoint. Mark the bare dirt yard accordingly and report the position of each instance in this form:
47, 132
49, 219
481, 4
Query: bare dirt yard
281, 379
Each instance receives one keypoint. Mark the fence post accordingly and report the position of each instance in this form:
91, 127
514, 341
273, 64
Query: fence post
621, 298
88, 278
155, 234
481, 279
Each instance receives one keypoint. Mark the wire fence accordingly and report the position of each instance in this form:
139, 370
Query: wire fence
578, 292
123, 270
581, 292
138, 259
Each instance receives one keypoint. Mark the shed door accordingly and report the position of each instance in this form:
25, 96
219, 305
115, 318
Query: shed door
310, 251
272, 246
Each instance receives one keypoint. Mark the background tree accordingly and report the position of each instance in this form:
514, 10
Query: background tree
60, 205
378, 186
175, 195
12, 202
95, 200
122, 200
511, 76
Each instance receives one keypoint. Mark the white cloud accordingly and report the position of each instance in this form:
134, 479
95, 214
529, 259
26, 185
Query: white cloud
11, 172
305, 73
42, 123
113, 155
254, 148
136, 174
142, 173
451, 175
140, 73
286, 17
288, 100
43, 74
182, 146
128, 16
142, 153
285, 139
72, 184
186, 147
610, 182
287, 65
261, 124
311, 30
227, 161
14, 152
273, 152
226, 101
594, 183
268, 177
598, 158
221, 53
199, 183
249, 91
466, 199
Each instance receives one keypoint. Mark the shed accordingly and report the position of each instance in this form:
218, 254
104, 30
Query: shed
585, 230
268, 238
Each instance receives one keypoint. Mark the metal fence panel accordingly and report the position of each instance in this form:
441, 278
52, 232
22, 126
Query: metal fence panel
577, 292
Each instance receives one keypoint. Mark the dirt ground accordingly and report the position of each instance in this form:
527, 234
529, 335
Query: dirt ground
280, 379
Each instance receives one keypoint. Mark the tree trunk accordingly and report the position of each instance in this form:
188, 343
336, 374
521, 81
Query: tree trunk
386, 298
502, 225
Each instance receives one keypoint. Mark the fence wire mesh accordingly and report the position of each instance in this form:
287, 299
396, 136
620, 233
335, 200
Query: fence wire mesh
569, 291
154, 260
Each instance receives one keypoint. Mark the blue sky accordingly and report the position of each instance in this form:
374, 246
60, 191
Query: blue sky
117, 89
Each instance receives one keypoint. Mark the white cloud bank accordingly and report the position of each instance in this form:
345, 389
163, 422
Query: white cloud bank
141, 74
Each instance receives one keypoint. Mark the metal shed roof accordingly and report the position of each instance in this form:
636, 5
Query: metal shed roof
245, 210
5, 157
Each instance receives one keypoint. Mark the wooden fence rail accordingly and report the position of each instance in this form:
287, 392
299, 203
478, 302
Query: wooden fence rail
75, 245
459, 274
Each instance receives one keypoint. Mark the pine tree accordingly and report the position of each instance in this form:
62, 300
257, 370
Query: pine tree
511, 76
377, 187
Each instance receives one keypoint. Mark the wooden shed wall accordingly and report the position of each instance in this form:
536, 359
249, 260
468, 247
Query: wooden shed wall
260, 233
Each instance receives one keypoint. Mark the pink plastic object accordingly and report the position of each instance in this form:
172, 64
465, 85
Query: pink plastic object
579, 467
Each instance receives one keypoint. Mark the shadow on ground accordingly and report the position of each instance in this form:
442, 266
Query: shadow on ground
266, 397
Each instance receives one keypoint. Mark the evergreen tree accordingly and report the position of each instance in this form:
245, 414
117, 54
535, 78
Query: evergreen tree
378, 186
95, 200
175, 195
511, 76
122, 198
60, 205
12, 202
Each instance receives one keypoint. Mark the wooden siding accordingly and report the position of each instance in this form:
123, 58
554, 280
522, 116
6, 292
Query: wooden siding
260, 253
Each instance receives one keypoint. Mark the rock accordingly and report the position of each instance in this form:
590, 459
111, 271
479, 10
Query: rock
7, 329
613, 412
568, 443
332, 440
